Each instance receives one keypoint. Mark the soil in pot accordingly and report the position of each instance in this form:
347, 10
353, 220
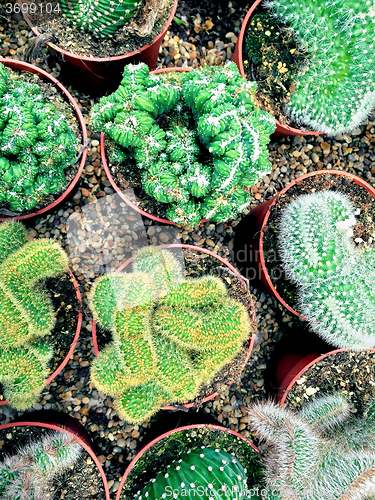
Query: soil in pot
169, 449
364, 228
82, 481
140, 31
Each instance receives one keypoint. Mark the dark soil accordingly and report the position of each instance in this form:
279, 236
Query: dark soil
360, 198
83, 481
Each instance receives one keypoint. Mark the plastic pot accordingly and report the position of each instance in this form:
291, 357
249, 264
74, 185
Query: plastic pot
281, 130
20, 65
74, 342
98, 75
165, 435
251, 232
57, 421
227, 265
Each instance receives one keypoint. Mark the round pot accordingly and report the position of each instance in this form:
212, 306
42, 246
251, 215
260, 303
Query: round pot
57, 421
165, 435
226, 264
281, 130
251, 232
20, 65
74, 342
99, 75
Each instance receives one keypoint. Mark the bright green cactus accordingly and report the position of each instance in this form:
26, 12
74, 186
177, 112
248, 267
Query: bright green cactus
29, 473
321, 452
335, 279
162, 327
36, 144
212, 145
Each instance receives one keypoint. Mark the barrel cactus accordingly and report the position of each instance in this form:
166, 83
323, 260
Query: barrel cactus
196, 137
36, 144
169, 334
335, 279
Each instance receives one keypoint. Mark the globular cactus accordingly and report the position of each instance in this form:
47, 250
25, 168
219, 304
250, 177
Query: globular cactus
335, 279
28, 475
321, 452
207, 472
197, 138
335, 91
36, 144
163, 327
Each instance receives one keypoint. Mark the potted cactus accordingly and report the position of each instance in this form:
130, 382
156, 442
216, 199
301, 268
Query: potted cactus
170, 334
28, 315
187, 142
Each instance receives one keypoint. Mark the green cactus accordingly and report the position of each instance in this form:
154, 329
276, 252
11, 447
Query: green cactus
213, 144
36, 144
335, 279
160, 339
321, 452
335, 91
29, 473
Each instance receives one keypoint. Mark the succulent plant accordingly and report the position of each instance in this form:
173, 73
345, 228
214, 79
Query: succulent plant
36, 144
335, 279
320, 452
196, 137
169, 334
26, 312
335, 91
28, 474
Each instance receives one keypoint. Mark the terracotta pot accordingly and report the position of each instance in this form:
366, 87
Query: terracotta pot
99, 75
20, 65
74, 342
251, 232
226, 264
179, 429
281, 130
57, 421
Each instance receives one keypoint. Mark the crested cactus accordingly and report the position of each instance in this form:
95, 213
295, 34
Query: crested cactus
196, 137
29, 473
335, 279
36, 144
163, 326
335, 91
321, 452
26, 312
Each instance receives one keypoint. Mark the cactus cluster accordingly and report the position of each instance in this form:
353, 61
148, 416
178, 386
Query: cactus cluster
335, 91
28, 474
335, 279
196, 137
321, 452
211, 470
101, 17
26, 312
170, 334
36, 144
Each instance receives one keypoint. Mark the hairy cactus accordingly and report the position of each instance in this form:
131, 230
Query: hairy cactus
318, 453
196, 137
335, 279
36, 144
163, 328
335, 91
26, 312
210, 470
29, 474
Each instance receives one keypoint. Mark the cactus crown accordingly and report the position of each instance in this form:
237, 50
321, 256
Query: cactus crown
26, 312
29, 473
318, 453
198, 158
335, 279
170, 334
335, 91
